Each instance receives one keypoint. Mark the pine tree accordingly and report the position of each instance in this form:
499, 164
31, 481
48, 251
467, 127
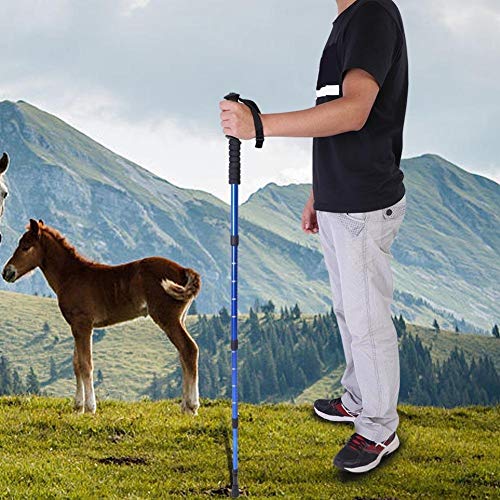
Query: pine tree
253, 320
435, 325
268, 309
100, 377
193, 309
495, 332
400, 326
225, 318
32, 383
296, 312
155, 388
17, 383
5, 376
46, 328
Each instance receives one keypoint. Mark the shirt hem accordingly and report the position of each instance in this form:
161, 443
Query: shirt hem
379, 205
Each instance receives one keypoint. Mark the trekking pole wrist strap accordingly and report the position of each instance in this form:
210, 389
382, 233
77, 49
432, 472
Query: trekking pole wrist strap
257, 120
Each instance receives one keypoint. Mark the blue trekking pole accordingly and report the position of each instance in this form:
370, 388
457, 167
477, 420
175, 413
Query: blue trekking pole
234, 181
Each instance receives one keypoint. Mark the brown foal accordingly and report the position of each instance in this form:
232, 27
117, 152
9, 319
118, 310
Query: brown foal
94, 295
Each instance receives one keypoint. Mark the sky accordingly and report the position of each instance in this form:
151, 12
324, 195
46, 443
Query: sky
144, 78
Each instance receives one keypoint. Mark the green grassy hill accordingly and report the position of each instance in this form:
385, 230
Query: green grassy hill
440, 344
128, 355
150, 450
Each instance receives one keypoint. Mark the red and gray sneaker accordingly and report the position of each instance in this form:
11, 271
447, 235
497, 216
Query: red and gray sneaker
333, 410
361, 454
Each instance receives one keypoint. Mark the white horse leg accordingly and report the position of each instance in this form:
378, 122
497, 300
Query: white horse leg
83, 341
90, 402
190, 394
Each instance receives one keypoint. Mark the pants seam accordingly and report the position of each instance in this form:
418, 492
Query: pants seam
368, 310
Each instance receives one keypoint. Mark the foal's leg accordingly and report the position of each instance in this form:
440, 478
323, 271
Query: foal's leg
83, 341
80, 393
188, 354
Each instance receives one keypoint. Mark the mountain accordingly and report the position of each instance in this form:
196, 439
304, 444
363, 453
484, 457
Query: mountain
115, 211
446, 256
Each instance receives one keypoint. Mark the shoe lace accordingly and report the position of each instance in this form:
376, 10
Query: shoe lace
357, 442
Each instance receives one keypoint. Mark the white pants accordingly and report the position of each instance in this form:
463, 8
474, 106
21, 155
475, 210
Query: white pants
356, 248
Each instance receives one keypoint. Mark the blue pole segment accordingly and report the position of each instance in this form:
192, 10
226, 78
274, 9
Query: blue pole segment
234, 181
234, 332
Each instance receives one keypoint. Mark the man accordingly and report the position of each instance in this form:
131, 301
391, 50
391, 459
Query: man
357, 205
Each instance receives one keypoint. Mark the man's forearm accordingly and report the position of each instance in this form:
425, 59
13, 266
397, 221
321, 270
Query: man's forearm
331, 118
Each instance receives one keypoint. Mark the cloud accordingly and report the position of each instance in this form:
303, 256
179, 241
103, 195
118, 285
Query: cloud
145, 78
133, 5
191, 156
463, 16
187, 154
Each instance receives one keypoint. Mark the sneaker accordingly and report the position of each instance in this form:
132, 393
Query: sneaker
333, 410
361, 454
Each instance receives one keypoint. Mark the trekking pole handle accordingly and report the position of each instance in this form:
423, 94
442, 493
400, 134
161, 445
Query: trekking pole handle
234, 150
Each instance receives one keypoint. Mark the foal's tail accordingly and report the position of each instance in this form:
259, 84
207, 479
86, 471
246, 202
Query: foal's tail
186, 292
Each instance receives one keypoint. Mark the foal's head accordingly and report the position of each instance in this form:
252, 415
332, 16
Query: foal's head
28, 254
4, 165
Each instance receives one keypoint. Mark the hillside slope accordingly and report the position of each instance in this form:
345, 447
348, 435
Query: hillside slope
440, 345
150, 450
447, 251
129, 355
115, 211
446, 257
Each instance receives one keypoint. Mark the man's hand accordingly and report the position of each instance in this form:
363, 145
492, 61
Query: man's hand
237, 120
309, 220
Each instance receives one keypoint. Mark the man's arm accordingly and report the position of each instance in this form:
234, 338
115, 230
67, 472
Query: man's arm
347, 114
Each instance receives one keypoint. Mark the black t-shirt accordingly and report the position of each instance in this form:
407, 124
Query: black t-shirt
359, 171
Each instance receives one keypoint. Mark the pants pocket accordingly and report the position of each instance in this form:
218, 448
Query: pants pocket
353, 222
389, 228
395, 211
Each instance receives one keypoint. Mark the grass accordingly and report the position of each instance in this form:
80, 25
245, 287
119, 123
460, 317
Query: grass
150, 450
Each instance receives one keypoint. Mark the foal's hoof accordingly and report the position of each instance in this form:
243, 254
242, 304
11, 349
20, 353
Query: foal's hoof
90, 409
190, 408
78, 408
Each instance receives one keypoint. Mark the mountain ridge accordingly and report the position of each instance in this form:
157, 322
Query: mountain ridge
114, 210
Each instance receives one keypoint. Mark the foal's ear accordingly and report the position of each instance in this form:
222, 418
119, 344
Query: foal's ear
4, 163
34, 227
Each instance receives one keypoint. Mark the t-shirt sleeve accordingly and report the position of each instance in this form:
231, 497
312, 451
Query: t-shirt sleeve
370, 42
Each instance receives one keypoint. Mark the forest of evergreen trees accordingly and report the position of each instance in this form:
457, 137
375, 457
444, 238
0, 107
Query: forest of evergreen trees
281, 354
11, 382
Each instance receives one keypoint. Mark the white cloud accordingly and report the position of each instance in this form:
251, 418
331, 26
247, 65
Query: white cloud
184, 153
133, 5
147, 86
191, 156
